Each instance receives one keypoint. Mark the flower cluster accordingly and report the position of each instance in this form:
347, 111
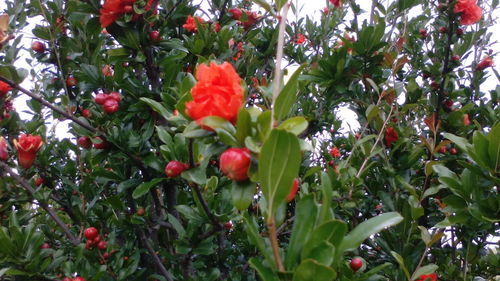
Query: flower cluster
217, 93
190, 24
113, 9
470, 12
390, 136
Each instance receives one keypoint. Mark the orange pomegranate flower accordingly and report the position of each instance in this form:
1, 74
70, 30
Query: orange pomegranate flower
429, 277
27, 146
217, 93
300, 39
390, 136
470, 11
190, 24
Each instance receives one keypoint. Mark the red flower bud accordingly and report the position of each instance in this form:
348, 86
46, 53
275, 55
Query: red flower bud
111, 106
91, 233
293, 190
336, 3
100, 143
116, 96
234, 163
466, 120
101, 98
45, 246
86, 113
4, 153
38, 47
356, 264
175, 168
39, 181
78, 279
71, 81
423, 32
228, 225
442, 29
154, 36
107, 70
442, 149
453, 151
84, 142
102, 245
27, 146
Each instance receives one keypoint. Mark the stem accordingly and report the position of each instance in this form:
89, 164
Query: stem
279, 57
419, 264
271, 226
75, 241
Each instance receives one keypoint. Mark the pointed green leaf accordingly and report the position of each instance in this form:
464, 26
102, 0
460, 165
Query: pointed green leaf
311, 270
145, 187
287, 96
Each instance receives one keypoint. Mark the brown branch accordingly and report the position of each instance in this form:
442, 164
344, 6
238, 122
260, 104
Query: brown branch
273, 236
49, 105
75, 241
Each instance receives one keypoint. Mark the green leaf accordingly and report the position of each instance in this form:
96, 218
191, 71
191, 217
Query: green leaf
302, 229
264, 272
311, 270
196, 175
371, 112
494, 147
216, 122
425, 235
164, 136
401, 263
278, 165
427, 269
145, 187
243, 125
242, 194
367, 229
158, 107
287, 96
255, 238
480, 146
294, 125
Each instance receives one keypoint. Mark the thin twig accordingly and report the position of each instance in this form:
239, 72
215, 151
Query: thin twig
279, 57
49, 105
75, 241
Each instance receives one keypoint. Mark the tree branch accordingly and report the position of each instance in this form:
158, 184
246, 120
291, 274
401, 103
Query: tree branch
75, 241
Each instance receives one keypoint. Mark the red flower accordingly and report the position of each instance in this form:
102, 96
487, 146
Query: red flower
326, 11
470, 11
336, 3
293, 190
466, 120
113, 9
429, 277
300, 39
487, 61
4, 153
27, 146
216, 27
252, 18
4, 88
334, 152
217, 93
390, 136
190, 24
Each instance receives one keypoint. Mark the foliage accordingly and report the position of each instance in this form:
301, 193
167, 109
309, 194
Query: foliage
424, 201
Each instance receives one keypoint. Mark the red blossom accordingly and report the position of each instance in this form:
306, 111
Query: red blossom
487, 61
334, 152
470, 12
300, 39
293, 190
217, 93
326, 11
236, 13
190, 24
4, 88
390, 136
27, 146
429, 277
252, 18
